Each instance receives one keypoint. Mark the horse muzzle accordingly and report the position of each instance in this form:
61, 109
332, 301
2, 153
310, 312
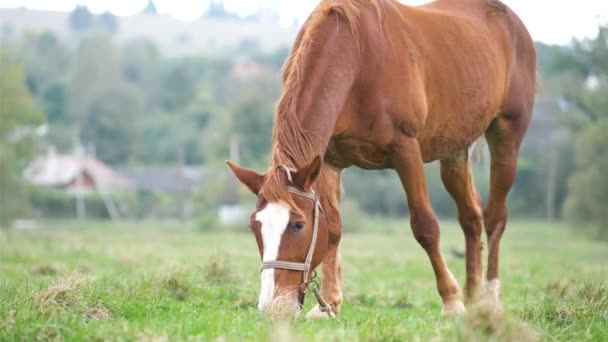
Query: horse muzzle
282, 305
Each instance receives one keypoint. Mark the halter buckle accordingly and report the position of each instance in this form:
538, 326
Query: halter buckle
312, 285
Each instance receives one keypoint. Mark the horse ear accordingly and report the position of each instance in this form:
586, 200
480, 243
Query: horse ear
251, 179
307, 175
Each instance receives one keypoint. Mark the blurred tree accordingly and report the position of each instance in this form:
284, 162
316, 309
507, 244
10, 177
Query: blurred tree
588, 192
7, 33
138, 58
81, 19
112, 123
249, 47
102, 106
45, 58
108, 22
18, 111
252, 124
48, 63
249, 123
216, 9
55, 100
164, 137
274, 60
180, 82
218, 80
376, 192
141, 67
582, 75
97, 69
150, 8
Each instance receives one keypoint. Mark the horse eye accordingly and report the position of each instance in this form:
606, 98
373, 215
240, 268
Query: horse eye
297, 226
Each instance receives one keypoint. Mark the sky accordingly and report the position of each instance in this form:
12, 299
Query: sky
549, 21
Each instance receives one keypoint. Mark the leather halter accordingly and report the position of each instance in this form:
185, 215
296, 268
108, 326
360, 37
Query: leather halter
299, 266
305, 266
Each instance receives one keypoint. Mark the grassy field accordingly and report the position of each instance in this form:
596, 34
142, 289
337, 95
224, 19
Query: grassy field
97, 282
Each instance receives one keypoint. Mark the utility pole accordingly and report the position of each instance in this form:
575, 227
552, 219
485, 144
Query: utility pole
235, 151
77, 151
551, 194
181, 184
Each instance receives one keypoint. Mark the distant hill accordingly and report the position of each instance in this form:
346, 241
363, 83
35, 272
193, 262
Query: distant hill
206, 36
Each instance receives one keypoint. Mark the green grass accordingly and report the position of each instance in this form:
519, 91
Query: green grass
93, 281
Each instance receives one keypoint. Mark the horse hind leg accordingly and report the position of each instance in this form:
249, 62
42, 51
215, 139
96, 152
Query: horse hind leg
504, 137
457, 177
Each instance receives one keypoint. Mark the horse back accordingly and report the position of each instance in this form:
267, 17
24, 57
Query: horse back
443, 71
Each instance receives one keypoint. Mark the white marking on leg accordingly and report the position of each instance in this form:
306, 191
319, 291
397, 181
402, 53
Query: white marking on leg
493, 289
274, 218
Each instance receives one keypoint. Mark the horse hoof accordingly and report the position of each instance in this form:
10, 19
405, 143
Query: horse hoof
453, 308
316, 313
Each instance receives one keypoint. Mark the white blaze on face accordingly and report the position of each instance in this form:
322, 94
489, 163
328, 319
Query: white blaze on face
273, 218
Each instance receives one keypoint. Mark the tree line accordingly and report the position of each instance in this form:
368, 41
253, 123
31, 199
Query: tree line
129, 104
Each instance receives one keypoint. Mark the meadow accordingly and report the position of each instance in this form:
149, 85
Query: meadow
165, 282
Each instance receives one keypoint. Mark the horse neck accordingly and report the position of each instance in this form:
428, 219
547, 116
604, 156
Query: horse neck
318, 80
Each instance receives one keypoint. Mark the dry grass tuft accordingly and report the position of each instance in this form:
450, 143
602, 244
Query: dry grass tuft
177, 288
9, 322
46, 269
484, 322
145, 337
243, 304
97, 312
217, 271
49, 332
67, 296
62, 294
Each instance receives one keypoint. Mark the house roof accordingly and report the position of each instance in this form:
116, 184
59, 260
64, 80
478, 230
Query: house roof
55, 169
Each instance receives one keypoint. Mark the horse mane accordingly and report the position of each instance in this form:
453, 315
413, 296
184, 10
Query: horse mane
292, 145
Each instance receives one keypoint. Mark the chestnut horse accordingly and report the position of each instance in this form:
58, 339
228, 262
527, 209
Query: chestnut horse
381, 85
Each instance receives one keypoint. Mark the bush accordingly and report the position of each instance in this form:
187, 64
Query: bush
353, 218
153, 205
13, 198
207, 222
56, 204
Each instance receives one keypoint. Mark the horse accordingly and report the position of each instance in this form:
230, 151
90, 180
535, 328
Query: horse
380, 85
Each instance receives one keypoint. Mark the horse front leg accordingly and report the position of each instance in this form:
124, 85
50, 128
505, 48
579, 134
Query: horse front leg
331, 284
409, 165
457, 176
